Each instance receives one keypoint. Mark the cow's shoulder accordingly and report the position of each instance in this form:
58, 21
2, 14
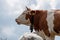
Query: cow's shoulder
57, 11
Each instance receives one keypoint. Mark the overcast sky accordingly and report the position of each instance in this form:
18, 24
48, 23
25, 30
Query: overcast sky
11, 9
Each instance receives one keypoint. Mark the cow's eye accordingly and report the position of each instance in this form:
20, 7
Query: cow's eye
26, 16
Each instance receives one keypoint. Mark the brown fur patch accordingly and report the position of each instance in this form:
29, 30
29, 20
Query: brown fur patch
40, 22
57, 21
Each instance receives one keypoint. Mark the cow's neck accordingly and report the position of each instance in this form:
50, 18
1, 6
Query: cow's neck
32, 13
32, 22
41, 12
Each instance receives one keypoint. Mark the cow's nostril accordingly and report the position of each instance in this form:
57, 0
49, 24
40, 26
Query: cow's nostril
18, 21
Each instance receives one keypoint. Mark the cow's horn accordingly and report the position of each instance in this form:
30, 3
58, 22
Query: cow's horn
27, 8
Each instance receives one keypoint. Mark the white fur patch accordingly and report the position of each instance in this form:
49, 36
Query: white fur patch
42, 34
50, 19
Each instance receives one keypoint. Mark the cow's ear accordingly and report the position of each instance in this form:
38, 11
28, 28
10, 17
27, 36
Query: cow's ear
33, 12
27, 8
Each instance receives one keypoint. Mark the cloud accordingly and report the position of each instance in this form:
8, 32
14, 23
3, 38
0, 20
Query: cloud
12, 2
9, 31
42, 4
39, 5
53, 4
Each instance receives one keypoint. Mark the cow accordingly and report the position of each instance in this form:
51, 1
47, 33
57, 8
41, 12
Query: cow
47, 21
30, 36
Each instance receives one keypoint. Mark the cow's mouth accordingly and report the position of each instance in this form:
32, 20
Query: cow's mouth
18, 21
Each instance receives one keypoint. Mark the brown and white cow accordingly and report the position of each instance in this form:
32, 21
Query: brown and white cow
47, 21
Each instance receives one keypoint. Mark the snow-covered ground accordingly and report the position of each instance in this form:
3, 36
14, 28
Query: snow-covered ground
30, 36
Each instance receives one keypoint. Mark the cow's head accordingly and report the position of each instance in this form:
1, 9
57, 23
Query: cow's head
24, 17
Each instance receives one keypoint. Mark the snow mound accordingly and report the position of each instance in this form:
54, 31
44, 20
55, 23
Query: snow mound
30, 36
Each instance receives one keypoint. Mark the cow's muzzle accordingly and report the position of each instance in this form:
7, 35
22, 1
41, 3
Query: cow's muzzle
18, 21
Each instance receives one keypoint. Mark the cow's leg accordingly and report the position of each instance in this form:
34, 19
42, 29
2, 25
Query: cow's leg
56, 30
50, 38
46, 31
41, 33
